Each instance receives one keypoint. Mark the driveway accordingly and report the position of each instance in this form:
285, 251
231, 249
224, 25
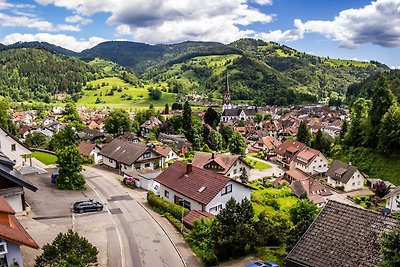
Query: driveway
125, 232
275, 170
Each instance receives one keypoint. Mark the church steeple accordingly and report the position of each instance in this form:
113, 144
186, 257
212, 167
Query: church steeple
227, 96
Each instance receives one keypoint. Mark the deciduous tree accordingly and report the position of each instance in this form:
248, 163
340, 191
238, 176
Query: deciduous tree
68, 249
237, 144
389, 133
36, 140
390, 249
118, 122
69, 162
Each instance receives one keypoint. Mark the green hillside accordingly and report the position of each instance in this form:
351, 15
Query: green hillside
36, 74
115, 93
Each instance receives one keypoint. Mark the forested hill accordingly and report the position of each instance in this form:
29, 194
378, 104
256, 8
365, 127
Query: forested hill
37, 74
365, 88
139, 57
262, 71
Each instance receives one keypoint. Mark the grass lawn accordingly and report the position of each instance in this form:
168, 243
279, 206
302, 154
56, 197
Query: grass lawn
44, 157
257, 164
277, 254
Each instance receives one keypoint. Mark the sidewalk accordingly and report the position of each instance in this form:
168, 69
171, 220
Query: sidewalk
173, 234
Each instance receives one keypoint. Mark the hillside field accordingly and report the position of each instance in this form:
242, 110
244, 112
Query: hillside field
126, 95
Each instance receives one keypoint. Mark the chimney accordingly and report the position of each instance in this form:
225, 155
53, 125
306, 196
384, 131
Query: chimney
188, 168
213, 155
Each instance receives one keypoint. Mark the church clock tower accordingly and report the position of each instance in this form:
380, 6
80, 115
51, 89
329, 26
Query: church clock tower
227, 96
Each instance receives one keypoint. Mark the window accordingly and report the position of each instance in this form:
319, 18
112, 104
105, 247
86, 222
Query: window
220, 207
213, 209
226, 190
147, 165
146, 155
319, 166
234, 171
13, 147
166, 194
353, 184
110, 160
125, 167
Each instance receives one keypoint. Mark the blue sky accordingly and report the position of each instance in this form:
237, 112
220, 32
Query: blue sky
355, 29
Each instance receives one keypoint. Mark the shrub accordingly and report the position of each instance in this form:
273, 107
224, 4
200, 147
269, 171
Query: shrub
129, 182
340, 187
177, 223
166, 206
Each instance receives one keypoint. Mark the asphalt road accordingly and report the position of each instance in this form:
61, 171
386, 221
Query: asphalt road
124, 232
134, 239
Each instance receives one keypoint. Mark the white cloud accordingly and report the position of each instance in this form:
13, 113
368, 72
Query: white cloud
376, 23
161, 21
78, 19
282, 36
63, 40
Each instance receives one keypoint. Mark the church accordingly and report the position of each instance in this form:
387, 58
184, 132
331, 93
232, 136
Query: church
231, 113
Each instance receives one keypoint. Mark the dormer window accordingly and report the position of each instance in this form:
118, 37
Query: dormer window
146, 155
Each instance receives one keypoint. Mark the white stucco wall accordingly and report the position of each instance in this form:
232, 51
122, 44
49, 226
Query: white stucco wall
239, 164
6, 143
356, 182
109, 162
239, 192
14, 253
393, 203
318, 165
15, 202
194, 205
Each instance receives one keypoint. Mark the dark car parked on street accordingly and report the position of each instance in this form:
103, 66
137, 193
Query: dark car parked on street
87, 205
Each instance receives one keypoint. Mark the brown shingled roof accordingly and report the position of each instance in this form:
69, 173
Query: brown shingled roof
193, 215
176, 178
293, 146
342, 235
340, 171
85, 148
11, 229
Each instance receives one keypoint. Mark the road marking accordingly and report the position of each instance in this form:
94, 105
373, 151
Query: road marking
121, 245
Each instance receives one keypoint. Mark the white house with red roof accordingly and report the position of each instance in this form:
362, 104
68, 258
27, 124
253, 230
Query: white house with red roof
199, 189
311, 161
12, 236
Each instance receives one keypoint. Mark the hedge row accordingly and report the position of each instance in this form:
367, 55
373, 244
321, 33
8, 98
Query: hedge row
177, 223
166, 206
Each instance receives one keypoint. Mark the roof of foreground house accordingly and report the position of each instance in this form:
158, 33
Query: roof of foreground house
11, 229
199, 184
342, 235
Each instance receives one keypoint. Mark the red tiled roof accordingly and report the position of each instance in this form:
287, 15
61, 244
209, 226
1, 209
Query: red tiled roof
293, 145
13, 231
175, 178
297, 175
163, 150
193, 215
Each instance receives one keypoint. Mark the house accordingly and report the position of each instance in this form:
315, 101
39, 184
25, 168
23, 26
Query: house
93, 125
302, 183
12, 236
13, 148
25, 130
55, 126
167, 153
311, 161
92, 150
90, 134
268, 144
131, 137
144, 178
48, 133
199, 189
346, 175
393, 200
287, 151
148, 125
274, 129
128, 156
342, 235
12, 184
230, 165
180, 142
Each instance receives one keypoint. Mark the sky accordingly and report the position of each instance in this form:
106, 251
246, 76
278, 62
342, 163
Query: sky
349, 29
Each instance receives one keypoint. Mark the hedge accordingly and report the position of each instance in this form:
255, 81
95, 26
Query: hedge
165, 206
177, 223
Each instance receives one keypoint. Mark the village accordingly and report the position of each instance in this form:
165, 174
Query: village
269, 160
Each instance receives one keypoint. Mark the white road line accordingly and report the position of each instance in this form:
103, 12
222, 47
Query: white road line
116, 228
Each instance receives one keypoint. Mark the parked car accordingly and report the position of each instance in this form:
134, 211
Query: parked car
263, 264
54, 176
87, 205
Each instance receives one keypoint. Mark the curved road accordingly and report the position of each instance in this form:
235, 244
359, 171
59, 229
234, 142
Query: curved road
136, 239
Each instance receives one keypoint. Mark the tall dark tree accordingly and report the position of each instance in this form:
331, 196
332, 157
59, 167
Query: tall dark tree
382, 100
321, 142
166, 109
389, 133
304, 134
187, 121
118, 122
211, 117
344, 130
68, 249
360, 127
226, 133
233, 231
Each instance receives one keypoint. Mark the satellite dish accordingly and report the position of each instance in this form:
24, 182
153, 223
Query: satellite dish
385, 211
